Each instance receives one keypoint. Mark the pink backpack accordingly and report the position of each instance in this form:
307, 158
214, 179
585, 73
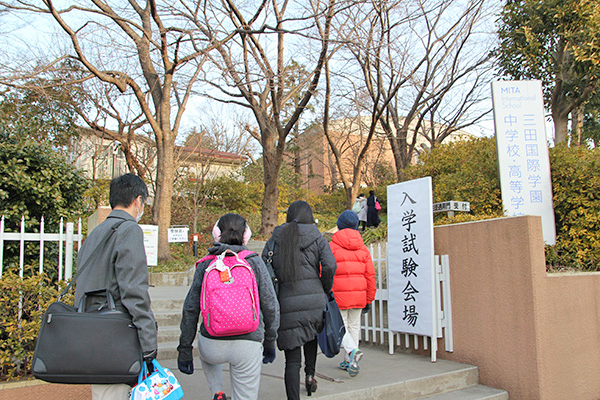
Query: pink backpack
229, 299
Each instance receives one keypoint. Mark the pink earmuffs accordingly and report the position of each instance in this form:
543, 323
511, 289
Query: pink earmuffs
216, 232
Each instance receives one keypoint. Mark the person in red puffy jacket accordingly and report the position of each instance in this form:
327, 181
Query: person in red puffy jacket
353, 284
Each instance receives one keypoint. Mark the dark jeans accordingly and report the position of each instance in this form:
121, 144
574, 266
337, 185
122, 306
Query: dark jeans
293, 362
363, 225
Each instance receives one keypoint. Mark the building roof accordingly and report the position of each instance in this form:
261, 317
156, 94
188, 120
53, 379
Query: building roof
197, 153
190, 153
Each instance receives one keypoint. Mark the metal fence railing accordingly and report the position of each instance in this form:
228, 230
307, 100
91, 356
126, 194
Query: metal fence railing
374, 327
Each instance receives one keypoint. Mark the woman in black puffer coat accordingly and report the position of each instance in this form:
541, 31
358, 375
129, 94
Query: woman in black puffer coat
305, 266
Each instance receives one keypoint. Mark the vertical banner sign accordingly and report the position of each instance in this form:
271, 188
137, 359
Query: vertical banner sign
151, 243
523, 162
411, 270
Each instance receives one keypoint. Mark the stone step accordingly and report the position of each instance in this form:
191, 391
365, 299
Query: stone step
477, 392
395, 377
170, 278
168, 350
168, 334
167, 305
165, 298
412, 389
166, 319
400, 376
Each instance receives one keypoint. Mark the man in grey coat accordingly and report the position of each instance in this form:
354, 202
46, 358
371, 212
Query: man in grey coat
122, 268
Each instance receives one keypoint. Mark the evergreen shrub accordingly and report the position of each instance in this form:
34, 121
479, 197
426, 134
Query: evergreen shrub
467, 171
37, 181
463, 171
29, 297
576, 187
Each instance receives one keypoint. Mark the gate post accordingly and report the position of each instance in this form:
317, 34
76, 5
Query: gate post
69, 251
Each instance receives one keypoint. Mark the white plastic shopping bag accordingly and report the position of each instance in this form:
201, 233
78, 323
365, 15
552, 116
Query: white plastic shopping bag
160, 385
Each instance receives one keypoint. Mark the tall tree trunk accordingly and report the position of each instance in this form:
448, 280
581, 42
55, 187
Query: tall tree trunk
271, 166
349, 197
161, 209
297, 153
561, 126
399, 150
578, 124
397, 158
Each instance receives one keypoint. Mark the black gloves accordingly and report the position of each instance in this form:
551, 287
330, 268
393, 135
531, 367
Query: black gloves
148, 357
367, 308
268, 355
187, 367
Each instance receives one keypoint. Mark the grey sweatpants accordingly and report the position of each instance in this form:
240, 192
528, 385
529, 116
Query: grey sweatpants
244, 358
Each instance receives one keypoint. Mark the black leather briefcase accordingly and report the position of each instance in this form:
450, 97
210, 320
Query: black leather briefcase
99, 347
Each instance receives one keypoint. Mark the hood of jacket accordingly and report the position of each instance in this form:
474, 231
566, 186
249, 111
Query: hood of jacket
348, 239
309, 233
219, 248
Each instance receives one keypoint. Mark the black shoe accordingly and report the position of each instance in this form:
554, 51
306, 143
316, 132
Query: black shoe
311, 384
219, 396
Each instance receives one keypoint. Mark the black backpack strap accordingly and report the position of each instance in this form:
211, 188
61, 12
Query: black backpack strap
92, 256
269, 264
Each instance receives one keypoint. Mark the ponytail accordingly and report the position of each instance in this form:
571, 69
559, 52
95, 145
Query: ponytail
231, 229
289, 248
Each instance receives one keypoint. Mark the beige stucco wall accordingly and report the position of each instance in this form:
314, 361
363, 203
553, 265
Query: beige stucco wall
568, 315
533, 334
98, 217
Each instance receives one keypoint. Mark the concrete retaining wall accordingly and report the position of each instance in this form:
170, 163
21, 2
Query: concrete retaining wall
534, 334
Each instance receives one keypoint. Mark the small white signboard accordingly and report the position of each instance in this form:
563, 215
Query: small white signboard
178, 234
452, 206
411, 271
522, 147
151, 243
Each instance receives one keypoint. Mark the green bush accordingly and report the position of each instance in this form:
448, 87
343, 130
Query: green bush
374, 235
29, 296
36, 181
463, 171
576, 187
467, 171
329, 203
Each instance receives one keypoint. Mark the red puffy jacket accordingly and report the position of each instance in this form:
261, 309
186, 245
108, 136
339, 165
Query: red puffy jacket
354, 280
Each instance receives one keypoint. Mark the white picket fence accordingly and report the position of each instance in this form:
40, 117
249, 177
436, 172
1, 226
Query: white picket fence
66, 240
374, 328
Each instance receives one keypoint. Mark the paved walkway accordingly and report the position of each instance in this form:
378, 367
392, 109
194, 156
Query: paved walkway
379, 371
37, 390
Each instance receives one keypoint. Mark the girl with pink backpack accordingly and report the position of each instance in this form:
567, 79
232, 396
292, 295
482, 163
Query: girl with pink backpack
240, 313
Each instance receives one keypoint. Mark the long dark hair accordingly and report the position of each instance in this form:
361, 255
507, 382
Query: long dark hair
299, 212
232, 228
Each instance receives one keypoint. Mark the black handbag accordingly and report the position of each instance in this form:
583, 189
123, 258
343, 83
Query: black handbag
98, 347
330, 338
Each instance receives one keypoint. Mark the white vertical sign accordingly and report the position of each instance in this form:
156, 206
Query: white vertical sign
151, 243
523, 162
411, 270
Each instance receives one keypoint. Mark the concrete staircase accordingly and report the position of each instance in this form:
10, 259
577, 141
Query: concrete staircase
401, 376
